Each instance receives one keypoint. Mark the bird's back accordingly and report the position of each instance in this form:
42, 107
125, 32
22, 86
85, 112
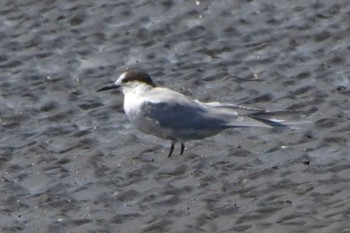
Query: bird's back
171, 115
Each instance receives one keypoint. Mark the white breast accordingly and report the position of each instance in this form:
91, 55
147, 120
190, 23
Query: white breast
132, 106
134, 96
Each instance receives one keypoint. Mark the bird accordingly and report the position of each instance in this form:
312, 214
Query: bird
173, 116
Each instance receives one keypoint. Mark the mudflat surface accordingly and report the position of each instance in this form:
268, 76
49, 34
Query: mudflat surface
71, 162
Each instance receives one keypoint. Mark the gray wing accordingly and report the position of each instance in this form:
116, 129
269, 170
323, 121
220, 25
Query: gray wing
284, 118
182, 116
234, 107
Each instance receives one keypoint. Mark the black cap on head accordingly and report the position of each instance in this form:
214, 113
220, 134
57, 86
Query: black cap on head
137, 75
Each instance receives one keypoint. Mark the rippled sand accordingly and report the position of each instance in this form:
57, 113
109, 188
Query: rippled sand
71, 162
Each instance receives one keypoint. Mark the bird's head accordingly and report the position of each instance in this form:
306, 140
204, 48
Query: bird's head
130, 79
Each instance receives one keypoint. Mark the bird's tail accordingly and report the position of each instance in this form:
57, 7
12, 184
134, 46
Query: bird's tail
256, 117
289, 119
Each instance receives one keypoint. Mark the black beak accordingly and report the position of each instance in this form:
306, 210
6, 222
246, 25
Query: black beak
108, 87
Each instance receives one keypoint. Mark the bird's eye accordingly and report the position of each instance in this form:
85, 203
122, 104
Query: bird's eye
126, 80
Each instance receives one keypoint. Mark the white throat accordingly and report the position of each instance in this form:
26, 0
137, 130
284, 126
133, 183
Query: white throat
136, 88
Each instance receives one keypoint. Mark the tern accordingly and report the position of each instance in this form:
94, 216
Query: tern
173, 116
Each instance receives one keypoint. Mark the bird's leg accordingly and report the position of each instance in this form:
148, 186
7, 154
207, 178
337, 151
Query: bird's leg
182, 148
171, 148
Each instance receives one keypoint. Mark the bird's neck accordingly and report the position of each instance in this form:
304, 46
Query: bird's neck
136, 89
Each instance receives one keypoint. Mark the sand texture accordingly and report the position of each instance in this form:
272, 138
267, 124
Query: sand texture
71, 162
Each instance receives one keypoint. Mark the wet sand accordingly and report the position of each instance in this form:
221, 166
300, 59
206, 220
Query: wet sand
71, 162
